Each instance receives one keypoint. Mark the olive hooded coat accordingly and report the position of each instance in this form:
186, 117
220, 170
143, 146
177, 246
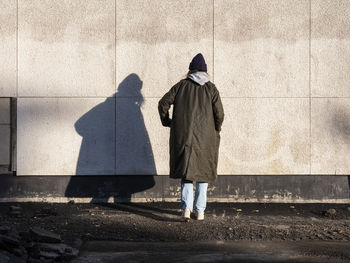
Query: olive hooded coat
194, 129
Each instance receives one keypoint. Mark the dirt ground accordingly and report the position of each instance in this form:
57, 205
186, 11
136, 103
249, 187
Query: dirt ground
161, 221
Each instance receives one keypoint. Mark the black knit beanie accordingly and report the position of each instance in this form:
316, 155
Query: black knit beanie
198, 63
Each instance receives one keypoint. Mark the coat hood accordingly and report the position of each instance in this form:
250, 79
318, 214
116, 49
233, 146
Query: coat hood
199, 77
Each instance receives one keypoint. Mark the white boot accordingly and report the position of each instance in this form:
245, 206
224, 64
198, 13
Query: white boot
200, 216
186, 215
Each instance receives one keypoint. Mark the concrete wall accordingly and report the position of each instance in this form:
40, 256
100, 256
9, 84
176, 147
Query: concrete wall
146, 188
88, 76
5, 134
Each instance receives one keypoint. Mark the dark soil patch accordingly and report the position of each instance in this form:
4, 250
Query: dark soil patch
160, 221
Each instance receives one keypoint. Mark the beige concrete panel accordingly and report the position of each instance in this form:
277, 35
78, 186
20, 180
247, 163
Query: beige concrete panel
158, 39
330, 48
259, 136
5, 110
142, 143
8, 44
65, 136
330, 120
66, 48
265, 136
5, 143
262, 48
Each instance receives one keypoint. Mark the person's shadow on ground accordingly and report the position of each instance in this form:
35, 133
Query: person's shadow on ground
114, 142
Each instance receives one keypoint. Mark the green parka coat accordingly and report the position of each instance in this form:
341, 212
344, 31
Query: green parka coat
194, 129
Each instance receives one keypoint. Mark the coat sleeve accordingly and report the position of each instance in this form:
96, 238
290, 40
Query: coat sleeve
218, 110
165, 103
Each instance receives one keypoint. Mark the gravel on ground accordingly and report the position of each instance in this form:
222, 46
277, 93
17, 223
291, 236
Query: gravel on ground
161, 221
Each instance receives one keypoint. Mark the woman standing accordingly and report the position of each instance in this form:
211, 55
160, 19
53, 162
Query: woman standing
194, 134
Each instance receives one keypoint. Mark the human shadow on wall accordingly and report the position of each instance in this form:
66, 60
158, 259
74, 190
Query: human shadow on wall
114, 142
340, 128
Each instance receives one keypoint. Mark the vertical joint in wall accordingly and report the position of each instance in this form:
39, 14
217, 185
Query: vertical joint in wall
13, 142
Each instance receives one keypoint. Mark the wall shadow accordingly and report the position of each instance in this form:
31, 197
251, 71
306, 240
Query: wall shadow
114, 142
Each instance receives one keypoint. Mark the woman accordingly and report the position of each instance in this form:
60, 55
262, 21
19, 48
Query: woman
194, 134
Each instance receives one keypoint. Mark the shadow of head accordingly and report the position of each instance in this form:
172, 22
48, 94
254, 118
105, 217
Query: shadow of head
130, 87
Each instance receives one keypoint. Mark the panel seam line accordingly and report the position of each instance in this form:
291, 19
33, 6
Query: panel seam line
310, 95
